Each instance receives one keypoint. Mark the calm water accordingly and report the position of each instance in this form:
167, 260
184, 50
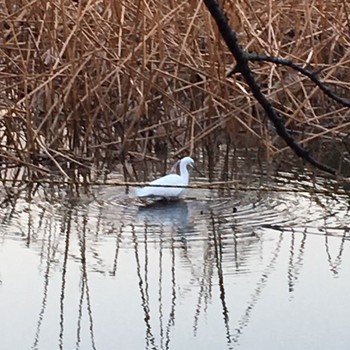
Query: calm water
258, 269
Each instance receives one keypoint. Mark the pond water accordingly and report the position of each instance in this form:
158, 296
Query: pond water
265, 268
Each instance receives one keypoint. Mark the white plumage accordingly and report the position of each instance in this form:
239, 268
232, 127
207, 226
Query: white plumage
170, 180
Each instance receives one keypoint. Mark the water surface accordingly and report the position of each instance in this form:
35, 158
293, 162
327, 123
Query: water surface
258, 269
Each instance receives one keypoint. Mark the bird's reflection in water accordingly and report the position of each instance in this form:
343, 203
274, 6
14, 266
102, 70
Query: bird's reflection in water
165, 212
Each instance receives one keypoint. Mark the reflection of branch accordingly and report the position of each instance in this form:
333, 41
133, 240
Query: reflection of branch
30, 227
49, 259
295, 263
218, 256
255, 297
85, 284
117, 246
68, 220
205, 286
184, 251
171, 320
80, 312
144, 298
334, 265
328, 214
9, 201
241, 57
160, 289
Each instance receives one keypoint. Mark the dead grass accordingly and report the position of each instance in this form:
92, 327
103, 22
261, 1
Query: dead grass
94, 82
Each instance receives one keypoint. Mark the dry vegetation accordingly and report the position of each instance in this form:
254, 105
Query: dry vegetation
96, 82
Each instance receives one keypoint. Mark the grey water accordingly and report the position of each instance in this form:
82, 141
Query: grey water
266, 267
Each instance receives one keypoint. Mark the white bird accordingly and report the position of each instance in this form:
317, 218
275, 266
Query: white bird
170, 180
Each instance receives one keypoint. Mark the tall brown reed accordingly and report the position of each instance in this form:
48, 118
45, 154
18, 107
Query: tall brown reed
82, 82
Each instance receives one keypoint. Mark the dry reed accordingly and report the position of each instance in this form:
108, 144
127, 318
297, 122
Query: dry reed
101, 82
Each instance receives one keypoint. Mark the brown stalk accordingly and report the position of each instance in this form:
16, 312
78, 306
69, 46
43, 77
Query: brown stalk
66, 67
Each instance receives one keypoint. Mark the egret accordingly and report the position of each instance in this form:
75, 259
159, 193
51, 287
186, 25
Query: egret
169, 180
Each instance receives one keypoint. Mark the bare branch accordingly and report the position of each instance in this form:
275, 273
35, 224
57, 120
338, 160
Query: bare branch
242, 59
311, 74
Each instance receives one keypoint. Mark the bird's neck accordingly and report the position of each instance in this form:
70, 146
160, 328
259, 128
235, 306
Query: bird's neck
184, 173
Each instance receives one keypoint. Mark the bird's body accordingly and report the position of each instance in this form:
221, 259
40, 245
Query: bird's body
168, 180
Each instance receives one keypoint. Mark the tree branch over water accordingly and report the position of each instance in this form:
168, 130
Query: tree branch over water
242, 59
311, 74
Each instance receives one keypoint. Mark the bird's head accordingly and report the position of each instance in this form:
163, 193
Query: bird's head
184, 161
187, 161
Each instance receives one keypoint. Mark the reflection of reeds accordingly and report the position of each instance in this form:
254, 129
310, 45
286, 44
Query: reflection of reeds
91, 81
172, 264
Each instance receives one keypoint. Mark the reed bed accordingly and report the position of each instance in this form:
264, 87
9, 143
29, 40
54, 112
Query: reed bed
87, 84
